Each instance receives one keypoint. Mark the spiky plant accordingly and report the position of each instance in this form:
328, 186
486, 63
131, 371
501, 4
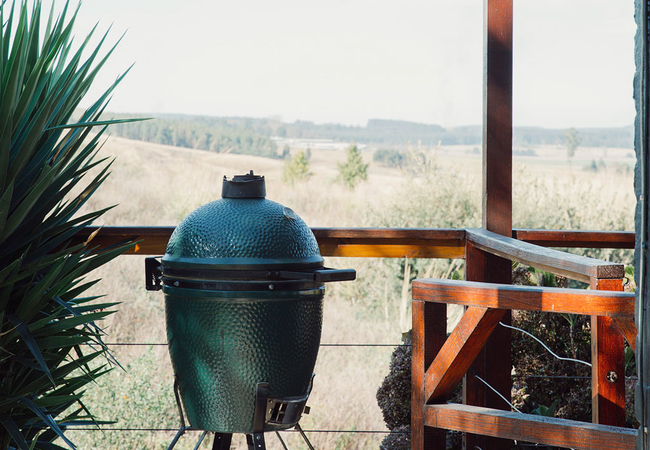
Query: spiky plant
49, 338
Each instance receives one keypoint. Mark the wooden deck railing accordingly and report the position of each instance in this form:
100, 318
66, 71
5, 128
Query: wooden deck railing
440, 363
376, 242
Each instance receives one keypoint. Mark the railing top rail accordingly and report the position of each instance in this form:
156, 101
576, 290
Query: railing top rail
530, 298
558, 262
575, 238
380, 242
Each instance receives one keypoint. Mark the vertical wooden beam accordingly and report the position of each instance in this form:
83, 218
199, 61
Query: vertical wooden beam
608, 365
497, 117
495, 362
429, 334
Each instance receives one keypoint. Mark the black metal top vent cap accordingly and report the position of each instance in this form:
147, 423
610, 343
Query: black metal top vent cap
244, 186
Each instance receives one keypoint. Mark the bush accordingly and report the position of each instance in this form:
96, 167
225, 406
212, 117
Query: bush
296, 169
394, 397
353, 171
388, 157
49, 340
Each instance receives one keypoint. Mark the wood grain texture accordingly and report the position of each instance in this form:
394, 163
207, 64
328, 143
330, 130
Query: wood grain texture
459, 351
492, 363
428, 250
561, 263
576, 239
349, 242
429, 334
608, 365
529, 428
417, 377
370, 242
529, 298
627, 327
497, 117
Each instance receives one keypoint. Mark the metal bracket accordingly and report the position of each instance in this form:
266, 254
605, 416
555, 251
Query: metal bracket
153, 274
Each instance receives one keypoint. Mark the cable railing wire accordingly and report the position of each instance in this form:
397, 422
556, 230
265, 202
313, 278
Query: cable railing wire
160, 344
73, 428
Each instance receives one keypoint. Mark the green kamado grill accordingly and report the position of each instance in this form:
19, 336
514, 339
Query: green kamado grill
243, 281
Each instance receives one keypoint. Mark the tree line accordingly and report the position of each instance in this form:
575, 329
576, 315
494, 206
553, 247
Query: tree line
220, 136
253, 135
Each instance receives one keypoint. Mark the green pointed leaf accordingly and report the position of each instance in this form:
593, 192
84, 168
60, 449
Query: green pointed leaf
45, 417
14, 431
31, 344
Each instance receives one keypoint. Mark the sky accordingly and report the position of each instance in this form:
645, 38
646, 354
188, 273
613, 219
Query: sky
347, 61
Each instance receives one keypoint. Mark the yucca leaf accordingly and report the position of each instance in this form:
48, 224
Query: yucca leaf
5, 201
19, 213
72, 322
59, 374
29, 341
34, 300
94, 124
40, 166
45, 417
61, 341
5, 150
72, 296
11, 427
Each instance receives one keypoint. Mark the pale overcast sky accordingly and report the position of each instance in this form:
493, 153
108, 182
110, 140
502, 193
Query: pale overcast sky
346, 61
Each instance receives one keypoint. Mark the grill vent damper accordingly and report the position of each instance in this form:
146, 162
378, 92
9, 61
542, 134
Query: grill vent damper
243, 281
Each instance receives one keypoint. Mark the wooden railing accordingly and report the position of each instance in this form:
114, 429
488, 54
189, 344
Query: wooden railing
375, 242
440, 363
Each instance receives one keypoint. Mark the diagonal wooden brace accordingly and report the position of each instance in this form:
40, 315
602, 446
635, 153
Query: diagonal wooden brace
459, 351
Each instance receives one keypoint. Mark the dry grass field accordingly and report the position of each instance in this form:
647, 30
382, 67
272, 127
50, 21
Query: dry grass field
159, 185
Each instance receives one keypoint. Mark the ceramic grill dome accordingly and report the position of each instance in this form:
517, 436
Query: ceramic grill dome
243, 283
235, 232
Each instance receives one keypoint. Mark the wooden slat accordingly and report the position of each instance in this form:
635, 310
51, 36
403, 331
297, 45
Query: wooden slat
429, 334
561, 263
428, 250
459, 351
368, 242
492, 364
497, 117
529, 428
153, 239
576, 239
608, 364
627, 327
530, 298
352, 242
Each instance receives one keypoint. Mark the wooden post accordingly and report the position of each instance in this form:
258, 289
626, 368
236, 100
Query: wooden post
608, 364
429, 334
494, 363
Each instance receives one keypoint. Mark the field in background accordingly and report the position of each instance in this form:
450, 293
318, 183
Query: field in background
159, 185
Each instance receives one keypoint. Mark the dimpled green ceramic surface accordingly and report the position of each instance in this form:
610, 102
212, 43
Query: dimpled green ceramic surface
223, 343
221, 347
229, 232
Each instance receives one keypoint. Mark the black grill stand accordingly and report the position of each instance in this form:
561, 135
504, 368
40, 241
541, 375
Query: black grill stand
222, 441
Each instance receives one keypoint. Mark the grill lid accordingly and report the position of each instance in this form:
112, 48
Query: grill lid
242, 231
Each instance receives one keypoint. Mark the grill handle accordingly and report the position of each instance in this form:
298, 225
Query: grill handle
323, 275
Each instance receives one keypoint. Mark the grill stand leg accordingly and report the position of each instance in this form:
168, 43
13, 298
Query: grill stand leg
221, 441
255, 441
181, 430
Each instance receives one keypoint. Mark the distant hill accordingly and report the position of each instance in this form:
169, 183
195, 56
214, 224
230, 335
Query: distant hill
246, 135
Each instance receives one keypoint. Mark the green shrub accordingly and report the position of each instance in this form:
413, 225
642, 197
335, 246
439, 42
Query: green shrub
353, 170
49, 340
296, 169
388, 157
